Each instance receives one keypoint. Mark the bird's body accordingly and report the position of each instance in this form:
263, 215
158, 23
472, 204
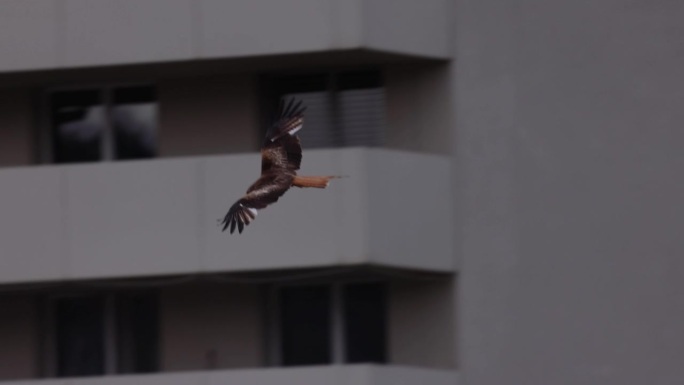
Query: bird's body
281, 157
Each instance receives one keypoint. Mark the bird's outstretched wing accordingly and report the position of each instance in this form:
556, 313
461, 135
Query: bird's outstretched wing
289, 119
281, 148
265, 191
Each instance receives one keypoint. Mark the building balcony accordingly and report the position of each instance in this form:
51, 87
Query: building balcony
341, 375
45, 35
159, 217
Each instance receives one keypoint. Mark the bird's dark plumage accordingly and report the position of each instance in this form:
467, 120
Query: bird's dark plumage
281, 157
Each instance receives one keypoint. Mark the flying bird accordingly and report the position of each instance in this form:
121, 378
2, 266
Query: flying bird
281, 156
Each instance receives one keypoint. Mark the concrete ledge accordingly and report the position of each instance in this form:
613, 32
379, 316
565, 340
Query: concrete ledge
338, 375
52, 34
159, 217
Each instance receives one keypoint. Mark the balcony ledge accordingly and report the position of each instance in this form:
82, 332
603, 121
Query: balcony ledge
37, 35
159, 217
338, 374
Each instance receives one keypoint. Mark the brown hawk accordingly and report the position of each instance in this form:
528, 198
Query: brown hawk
281, 156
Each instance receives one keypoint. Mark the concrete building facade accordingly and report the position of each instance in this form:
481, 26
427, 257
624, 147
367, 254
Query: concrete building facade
511, 214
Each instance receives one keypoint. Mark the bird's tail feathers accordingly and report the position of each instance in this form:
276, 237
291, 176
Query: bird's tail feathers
314, 181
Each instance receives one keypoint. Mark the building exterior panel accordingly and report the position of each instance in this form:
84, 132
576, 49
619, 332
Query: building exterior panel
32, 229
139, 218
77, 33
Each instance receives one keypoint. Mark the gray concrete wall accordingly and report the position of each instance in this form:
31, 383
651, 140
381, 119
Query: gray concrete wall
17, 132
211, 326
419, 107
422, 317
420, 27
214, 115
49, 34
569, 157
415, 188
18, 337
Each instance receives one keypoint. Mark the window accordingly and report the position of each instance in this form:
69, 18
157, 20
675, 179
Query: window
343, 109
364, 326
110, 123
80, 336
305, 328
102, 334
324, 324
137, 339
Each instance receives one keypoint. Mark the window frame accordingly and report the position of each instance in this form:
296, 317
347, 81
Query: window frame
337, 324
46, 139
49, 355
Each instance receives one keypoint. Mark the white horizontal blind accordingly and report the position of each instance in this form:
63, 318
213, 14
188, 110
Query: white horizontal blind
362, 116
344, 115
319, 129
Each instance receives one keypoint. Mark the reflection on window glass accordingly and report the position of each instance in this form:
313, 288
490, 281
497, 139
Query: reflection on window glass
90, 125
134, 119
78, 121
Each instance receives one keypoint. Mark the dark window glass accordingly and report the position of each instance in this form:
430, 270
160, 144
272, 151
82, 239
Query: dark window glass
134, 120
107, 123
80, 336
305, 325
78, 121
365, 323
137, 336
